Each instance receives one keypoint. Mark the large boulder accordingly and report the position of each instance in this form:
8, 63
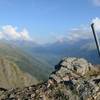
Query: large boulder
71, 68
80, 74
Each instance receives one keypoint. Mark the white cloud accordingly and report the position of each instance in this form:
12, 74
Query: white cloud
81, 33
77, 34
10, 32
96, 2
25, 34
96, 22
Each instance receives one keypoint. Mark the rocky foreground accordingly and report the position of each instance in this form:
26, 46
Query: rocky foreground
73, 79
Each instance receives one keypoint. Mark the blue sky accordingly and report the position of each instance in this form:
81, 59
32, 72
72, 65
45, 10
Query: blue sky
45, 19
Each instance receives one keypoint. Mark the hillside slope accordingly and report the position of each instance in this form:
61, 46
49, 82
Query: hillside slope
73, 79
12, 77
36, 68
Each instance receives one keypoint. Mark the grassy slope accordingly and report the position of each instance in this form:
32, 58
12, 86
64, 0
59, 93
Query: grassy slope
37, 68
12, 77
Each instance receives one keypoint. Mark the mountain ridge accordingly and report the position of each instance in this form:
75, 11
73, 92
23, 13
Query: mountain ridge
24, 62
11, 76
73, 79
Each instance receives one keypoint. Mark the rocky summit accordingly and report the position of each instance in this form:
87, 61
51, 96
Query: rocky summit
73, 79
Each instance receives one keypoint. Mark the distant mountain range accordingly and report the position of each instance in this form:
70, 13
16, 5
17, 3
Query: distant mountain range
52, 53
38, 61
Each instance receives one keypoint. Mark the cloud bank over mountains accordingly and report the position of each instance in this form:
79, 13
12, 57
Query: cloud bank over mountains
9, 32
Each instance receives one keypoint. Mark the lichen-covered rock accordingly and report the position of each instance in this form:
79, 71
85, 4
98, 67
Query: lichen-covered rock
73, 79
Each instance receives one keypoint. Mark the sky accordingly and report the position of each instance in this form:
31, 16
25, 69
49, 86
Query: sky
45, 21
